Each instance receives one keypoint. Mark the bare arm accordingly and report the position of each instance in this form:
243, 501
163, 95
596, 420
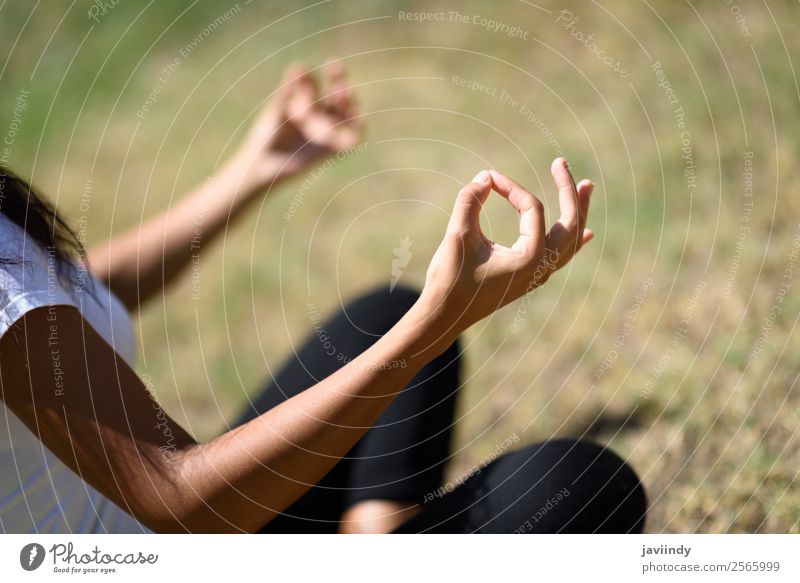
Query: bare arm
103, 424
298, 127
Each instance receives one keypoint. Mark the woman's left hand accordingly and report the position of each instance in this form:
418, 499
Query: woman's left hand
298, 127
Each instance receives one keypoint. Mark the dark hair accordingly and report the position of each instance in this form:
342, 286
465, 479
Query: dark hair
39, 219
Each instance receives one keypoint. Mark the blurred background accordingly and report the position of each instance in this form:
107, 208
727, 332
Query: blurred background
671, 337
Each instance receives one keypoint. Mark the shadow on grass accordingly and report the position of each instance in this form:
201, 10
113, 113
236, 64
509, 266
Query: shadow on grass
608, 424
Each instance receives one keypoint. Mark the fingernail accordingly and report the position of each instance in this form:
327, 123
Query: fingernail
481, 177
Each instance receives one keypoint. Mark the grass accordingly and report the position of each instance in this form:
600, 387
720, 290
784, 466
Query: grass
709, 424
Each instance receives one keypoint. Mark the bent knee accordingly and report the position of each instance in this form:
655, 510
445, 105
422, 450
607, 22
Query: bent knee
566, 485
609, 497
376, 311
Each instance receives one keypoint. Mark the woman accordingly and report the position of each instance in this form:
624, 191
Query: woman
356, 447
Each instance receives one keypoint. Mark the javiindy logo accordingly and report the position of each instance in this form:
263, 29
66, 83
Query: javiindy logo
31, 556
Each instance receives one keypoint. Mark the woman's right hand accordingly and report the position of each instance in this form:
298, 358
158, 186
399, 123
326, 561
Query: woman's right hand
470, 276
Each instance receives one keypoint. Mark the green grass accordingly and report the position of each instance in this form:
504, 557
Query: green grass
715, 440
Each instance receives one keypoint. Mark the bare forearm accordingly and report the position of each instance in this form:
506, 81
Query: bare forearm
244, 478
141, 261
298, 127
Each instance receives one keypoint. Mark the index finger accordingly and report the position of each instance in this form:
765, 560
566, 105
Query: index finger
567, 193
530, 209
340, 98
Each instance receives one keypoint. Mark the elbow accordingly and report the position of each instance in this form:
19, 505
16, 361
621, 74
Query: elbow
165, 498
182, 500
163, 510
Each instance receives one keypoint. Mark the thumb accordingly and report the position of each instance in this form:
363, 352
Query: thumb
467, 210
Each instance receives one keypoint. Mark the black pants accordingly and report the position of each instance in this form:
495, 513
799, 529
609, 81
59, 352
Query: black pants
556, 486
